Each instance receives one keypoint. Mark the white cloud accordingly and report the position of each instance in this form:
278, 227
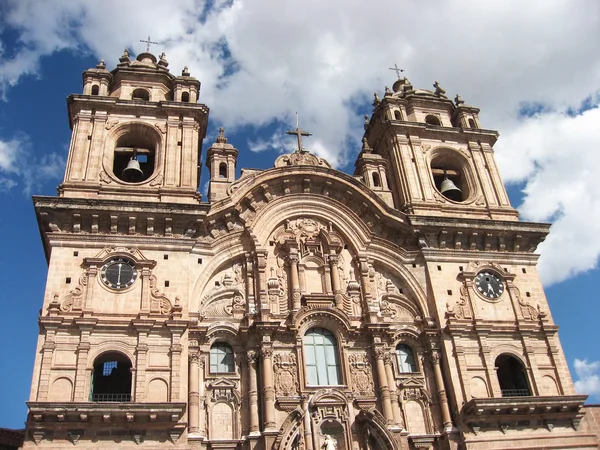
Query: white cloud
9, 152
556, 156
259, 61
588, 375
19, 165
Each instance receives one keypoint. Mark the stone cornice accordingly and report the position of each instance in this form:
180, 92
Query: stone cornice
508, 411
114, 105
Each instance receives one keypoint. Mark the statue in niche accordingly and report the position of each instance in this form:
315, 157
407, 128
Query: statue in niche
329, 443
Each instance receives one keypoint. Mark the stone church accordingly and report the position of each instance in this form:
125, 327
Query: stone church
297, 307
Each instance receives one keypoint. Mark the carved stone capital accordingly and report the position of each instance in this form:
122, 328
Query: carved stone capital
251, 358
266, 352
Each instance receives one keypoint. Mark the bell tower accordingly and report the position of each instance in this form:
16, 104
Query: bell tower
137, 133
441, 160
111, 369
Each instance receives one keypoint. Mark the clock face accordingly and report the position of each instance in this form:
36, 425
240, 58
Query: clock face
489, 284
118, 273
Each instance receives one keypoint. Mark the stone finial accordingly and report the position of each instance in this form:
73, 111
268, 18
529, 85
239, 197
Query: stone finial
388, 92
365, 146
367, 121
163, 60
185, 72
125, 56
377, 100
101, 65
438, 89
221, 139
459, 101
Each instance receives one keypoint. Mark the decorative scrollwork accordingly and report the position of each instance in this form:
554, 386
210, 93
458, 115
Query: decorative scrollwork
286, 369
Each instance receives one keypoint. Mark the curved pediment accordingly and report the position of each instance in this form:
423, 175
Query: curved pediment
249, 196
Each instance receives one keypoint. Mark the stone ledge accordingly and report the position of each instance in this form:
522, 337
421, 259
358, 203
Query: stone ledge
508, 412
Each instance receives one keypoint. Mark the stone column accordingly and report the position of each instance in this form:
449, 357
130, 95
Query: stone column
51, 325
335, 280
82, 373
268, 388
194, 393
171, 150
384, 390
187, 167
201, 398
387, 360
253, 393
294, 279
250, 294
308, 435
143, 328
263, 297
176, 327
439, 380
44, 386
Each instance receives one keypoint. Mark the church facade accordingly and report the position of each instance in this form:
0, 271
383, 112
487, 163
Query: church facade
298, 307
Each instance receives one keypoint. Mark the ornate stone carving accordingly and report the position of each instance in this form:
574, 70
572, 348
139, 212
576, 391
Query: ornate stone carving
104, 178
161, 126
73, 301
362, 374
527, 309
461, 309
110, 124
228, 296
157, 181
301, 158
286, 370
159, 303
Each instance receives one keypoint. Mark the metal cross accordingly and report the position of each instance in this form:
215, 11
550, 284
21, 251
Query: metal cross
148, 42
395, 68
299, 133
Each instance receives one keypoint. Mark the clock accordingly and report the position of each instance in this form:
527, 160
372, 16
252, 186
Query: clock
489, 284
118, 273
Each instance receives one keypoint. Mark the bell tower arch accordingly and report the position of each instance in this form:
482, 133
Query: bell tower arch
441, 162
137, 133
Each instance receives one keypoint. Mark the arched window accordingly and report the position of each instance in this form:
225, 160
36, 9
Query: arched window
472, 123
134, 154
376, 180
140, 94
221, 358
406, 359
111, 378
432, 120
95, 89
185, 97
222, 170
321, 358
397, 115
512, 377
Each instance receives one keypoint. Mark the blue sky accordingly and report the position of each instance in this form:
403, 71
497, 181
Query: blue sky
534, 72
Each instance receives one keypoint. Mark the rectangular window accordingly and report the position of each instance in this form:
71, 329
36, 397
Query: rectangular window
108, 368
321, 359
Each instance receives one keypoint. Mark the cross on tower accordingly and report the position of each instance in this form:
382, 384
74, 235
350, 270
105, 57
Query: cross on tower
299, 133
148, 42
395, 68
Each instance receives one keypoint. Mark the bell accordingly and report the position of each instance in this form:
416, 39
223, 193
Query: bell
449, 189
133, 173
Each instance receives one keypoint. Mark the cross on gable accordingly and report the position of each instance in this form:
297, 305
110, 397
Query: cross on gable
148, 42
299, 133
397, 70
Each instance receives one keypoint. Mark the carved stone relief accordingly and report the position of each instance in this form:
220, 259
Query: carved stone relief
362, 374
73, 301
227, 297
286, 374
